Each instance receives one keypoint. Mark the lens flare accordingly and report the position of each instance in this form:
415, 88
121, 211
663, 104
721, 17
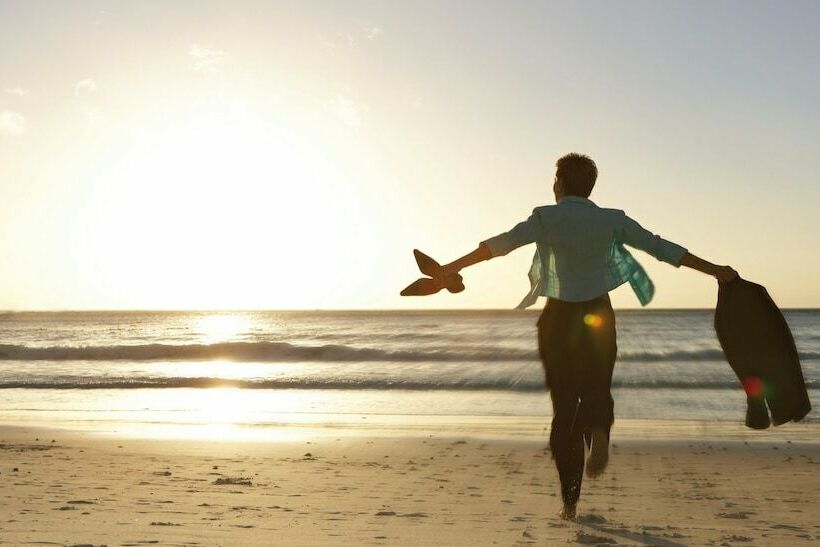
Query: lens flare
753, 385
593, 320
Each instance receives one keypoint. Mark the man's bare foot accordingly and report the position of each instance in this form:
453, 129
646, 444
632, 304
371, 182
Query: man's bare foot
567, 512
598, 453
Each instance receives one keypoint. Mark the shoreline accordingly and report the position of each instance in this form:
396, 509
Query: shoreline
450, 488
307, 426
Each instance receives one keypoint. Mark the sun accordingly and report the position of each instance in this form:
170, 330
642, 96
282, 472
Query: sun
210, 213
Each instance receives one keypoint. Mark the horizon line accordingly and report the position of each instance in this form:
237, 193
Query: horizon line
343, 310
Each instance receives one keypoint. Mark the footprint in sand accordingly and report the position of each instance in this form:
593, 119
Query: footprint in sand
787, 527
735, 537
238, 481
738, 515
415, 515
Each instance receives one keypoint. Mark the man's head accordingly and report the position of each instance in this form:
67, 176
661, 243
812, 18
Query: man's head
575, 175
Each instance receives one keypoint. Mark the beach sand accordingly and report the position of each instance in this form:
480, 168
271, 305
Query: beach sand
62, 487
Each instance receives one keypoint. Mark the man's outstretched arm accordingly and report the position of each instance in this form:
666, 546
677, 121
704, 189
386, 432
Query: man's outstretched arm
481, 254
637, 236
521, 234
722, 273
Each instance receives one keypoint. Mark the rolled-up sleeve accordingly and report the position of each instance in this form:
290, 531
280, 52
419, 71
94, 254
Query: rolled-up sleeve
521, 234
635, 235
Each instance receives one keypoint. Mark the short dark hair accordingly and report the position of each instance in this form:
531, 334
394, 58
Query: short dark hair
577, 174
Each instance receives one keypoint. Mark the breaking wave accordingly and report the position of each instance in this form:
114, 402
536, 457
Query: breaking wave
486, 384
286, 352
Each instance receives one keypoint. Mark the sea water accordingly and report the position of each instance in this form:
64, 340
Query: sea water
278, 368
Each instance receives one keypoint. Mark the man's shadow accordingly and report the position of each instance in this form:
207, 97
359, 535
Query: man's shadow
590, 526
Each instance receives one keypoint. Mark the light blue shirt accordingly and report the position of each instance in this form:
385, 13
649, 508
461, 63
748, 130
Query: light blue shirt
580, 252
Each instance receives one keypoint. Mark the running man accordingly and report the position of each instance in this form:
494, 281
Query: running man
580, 257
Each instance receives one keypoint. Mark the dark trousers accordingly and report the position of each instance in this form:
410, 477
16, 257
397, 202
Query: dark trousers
576, 341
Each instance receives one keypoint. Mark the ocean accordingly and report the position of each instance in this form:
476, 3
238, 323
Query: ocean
276, 369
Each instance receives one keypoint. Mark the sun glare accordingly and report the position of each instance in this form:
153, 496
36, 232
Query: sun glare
202, 214
221, 327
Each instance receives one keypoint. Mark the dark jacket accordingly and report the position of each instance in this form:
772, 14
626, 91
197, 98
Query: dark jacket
760, 349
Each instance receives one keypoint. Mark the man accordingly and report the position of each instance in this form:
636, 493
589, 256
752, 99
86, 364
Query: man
580, 257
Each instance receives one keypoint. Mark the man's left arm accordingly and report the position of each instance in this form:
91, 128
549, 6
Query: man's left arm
481, 254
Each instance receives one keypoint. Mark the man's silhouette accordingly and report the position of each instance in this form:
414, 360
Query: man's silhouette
580, 257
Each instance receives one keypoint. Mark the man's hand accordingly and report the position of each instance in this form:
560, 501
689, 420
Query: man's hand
725, 273
721, 273
438, 278
448, 269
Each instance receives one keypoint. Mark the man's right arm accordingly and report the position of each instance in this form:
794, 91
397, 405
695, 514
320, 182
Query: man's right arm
721, 273
637, 236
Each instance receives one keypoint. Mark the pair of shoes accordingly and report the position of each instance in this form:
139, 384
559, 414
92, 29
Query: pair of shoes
598, 453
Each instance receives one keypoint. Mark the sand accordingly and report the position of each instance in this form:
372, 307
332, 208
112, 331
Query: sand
62, 487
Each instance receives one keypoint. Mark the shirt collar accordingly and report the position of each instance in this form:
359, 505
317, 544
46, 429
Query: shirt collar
576, 199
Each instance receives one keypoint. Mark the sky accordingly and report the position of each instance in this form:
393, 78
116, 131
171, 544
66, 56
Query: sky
291, 155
